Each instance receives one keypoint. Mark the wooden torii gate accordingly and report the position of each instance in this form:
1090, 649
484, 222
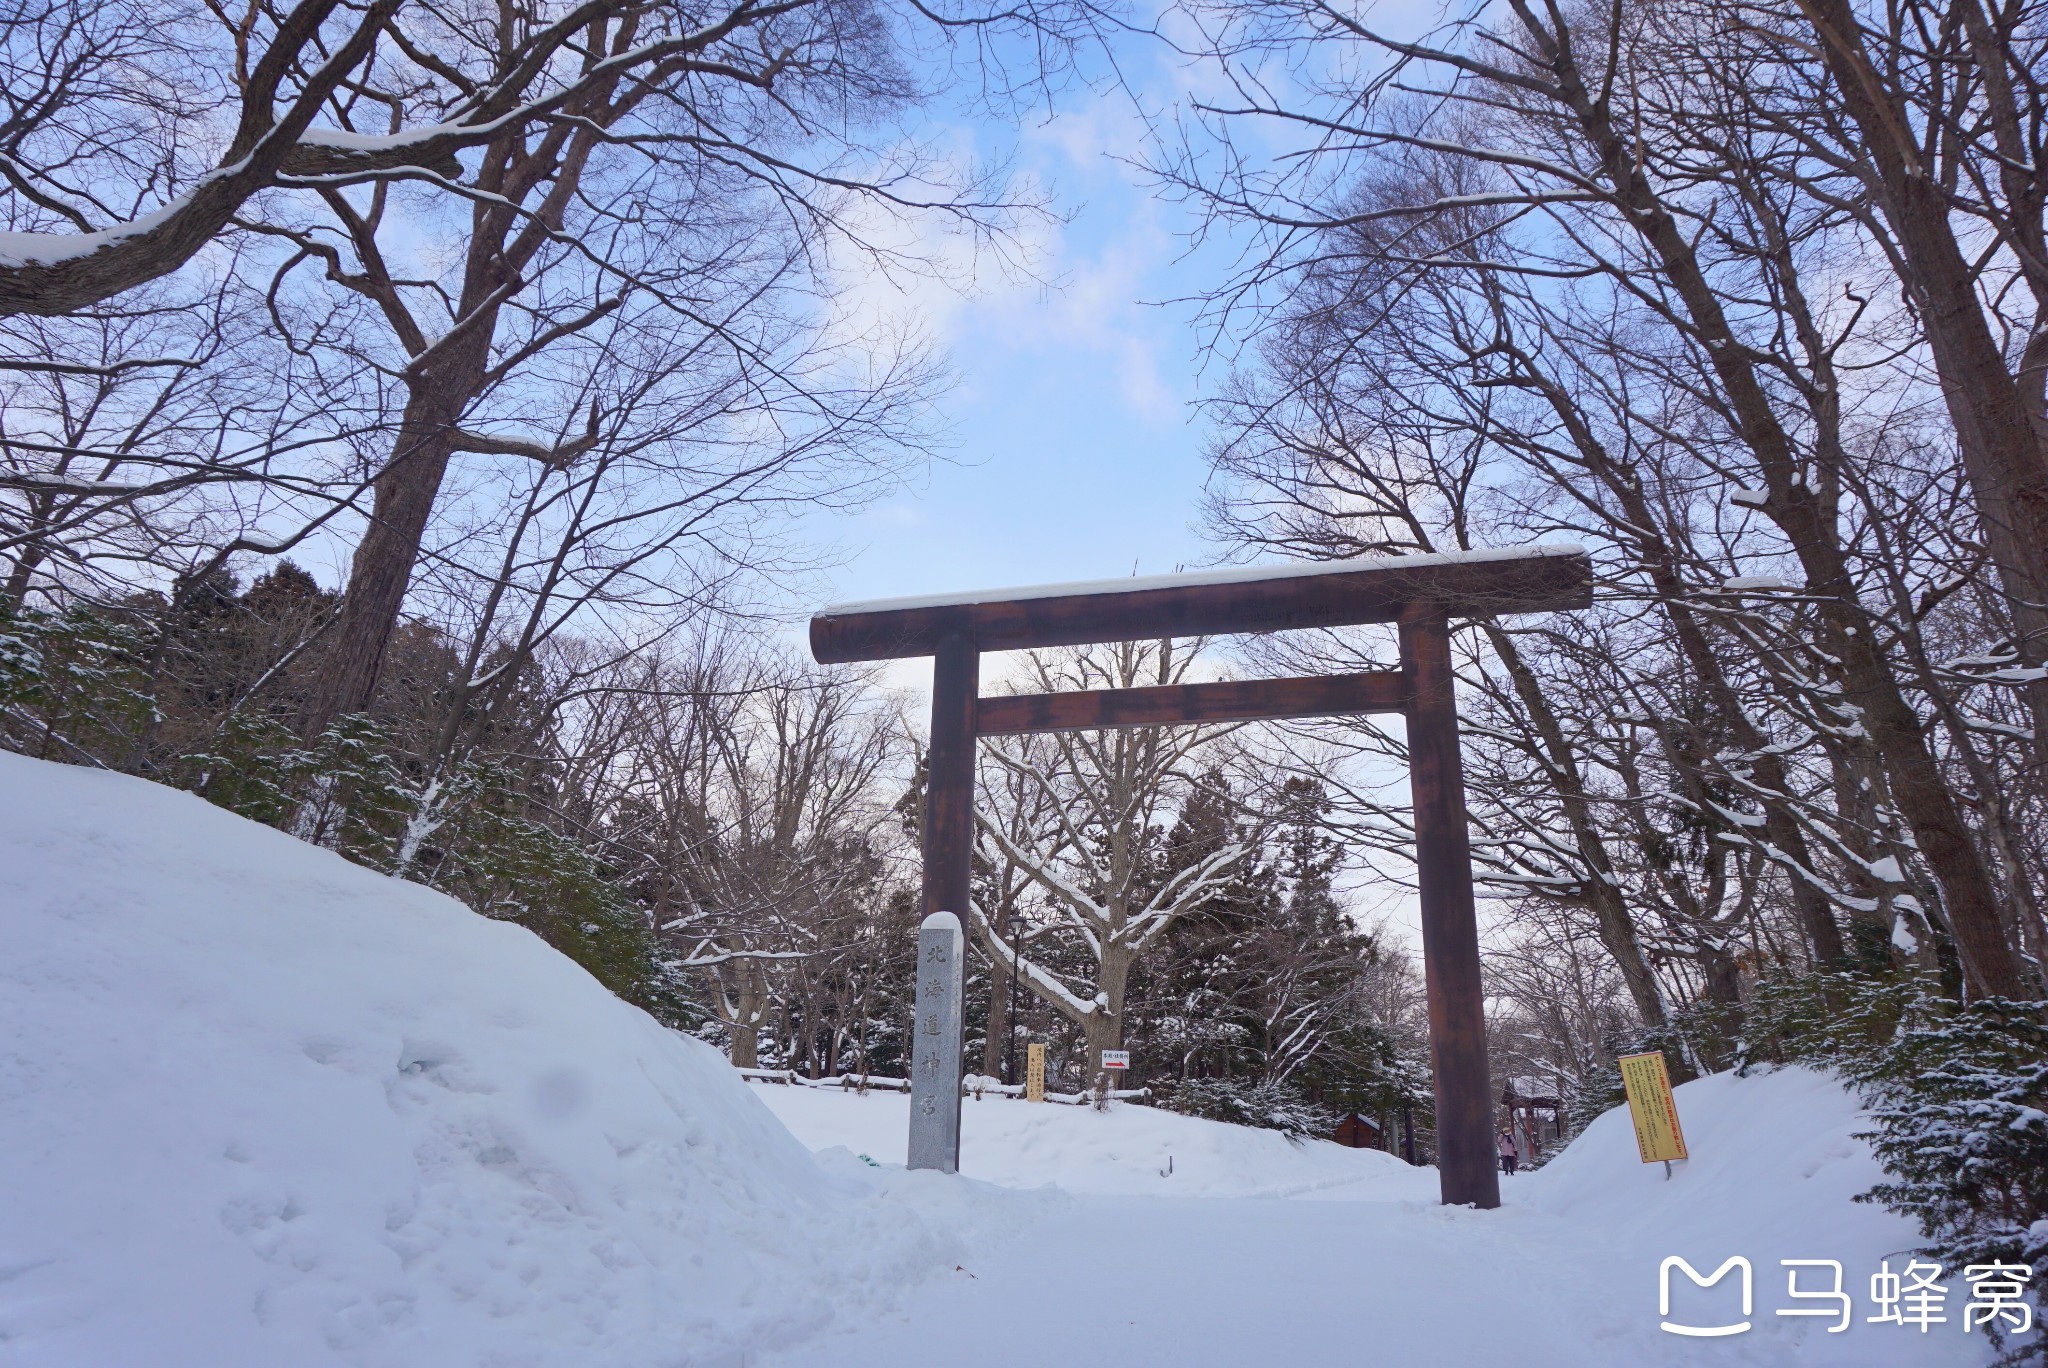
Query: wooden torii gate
1420, 593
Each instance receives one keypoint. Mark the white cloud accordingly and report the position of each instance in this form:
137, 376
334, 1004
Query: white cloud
1054, 296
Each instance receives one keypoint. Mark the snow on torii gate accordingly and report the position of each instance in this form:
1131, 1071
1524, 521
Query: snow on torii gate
1420, 593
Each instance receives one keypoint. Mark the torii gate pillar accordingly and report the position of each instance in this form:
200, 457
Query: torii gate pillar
1450, 921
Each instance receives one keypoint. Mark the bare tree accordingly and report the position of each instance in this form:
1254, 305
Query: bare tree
1932, 115
109, 179
1087, 830
1597, 271
746, 796
664, 176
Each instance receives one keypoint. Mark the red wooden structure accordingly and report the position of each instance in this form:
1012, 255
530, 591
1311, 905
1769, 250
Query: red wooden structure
1420, 593
1357, 1131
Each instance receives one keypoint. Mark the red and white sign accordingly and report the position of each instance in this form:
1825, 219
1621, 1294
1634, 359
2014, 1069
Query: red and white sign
1116, 1059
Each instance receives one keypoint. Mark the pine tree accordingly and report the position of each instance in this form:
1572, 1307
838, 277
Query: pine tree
1960, 1112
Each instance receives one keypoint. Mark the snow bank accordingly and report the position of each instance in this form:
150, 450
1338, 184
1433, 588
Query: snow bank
1774, 1175
260, 1107
1774, 1151
1123, 1151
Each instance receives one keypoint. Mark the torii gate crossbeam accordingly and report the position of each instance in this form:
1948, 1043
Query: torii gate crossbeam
1420, 593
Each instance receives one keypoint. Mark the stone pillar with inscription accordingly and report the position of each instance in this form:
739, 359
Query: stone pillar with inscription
936, 1045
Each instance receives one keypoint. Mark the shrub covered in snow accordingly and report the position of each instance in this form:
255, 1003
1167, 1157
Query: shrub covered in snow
1960, 1104
145, 689
1843, 1021
1591, 1094
1271, 1106
1958, 1097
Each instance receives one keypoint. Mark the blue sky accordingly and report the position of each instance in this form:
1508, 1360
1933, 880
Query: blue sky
1076, 438
1076, 452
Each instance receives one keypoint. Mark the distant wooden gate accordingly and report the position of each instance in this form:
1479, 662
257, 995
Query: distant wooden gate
1420, 593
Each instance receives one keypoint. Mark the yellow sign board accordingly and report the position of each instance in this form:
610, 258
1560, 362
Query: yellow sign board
1034, 1073
1652, 1107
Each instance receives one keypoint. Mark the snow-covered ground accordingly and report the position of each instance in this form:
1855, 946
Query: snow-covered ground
261, 1107
1130, 1150
1354, 1261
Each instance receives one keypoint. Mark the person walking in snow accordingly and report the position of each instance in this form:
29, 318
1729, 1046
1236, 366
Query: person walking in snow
1508, 1153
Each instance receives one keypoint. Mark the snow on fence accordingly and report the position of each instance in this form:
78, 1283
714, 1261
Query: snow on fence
858, 1082
973, 1085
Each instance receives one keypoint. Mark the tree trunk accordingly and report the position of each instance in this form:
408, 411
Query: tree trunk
1104, 1029
403, 500
746, 1045
1969, 896
30, 558
1858, 783
404, 495
994, 1048
742, 1014
1724, 990
2000, 440
1602, 891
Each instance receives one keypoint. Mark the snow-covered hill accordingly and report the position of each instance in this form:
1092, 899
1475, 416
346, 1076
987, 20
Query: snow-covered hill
259, 1106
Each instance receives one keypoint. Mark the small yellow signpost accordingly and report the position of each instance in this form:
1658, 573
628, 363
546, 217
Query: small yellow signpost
1034, 1073
1652, 1107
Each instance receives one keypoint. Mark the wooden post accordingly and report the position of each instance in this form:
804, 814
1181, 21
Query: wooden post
1450, 924
948, 852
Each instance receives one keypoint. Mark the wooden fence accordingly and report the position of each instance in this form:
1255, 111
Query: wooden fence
974, 1085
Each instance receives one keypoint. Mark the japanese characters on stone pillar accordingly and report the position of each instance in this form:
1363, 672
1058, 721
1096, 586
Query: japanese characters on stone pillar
936, 1046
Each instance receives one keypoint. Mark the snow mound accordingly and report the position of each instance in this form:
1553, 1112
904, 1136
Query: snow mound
1776, 1149
1775, 1171
261, 1106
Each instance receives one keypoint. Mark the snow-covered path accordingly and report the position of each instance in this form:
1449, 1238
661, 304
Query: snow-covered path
1374, 1270
1143, 1281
